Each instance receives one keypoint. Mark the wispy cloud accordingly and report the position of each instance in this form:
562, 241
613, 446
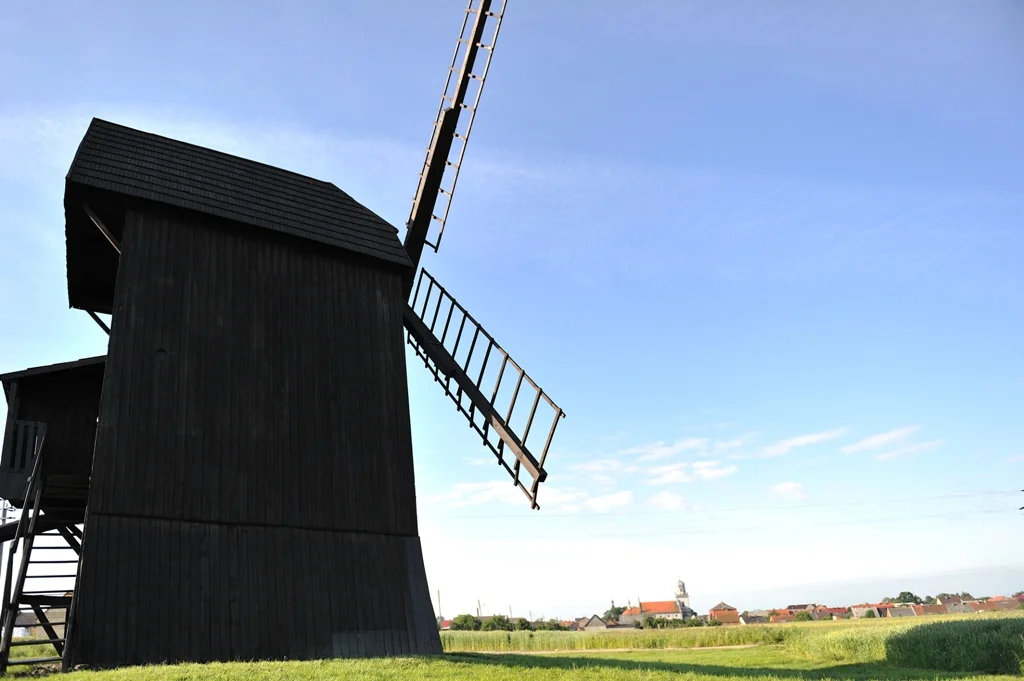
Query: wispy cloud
793, 491
881, 440
685, 472
723, 446
712, 470
598, 466
1015, 457
918, 448
670, 474
789, 444
660, 450
482, 460
609, 501
669, 501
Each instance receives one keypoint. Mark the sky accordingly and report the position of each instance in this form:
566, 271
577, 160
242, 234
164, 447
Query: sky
766, 256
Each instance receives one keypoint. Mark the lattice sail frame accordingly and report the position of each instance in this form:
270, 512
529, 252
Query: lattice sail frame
461, 334
464, 82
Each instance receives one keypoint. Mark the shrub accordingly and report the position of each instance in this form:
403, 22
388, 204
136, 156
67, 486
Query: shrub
802, 617
465, 623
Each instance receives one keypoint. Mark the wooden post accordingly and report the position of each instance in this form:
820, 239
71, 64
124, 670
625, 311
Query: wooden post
12, 409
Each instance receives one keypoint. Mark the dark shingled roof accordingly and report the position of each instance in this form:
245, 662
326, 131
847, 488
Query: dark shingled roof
150, 167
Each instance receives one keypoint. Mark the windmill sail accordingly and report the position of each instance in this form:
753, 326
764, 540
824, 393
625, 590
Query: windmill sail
501, 402
464, 84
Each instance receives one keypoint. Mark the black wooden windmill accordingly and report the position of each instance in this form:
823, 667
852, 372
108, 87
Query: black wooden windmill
241, 458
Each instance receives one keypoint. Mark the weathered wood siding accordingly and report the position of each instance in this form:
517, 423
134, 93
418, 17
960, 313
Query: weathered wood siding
253, 381
253, 481
206, 591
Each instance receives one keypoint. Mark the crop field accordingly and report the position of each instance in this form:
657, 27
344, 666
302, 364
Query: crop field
972, 647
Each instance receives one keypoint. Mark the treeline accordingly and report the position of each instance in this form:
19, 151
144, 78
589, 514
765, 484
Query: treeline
502, 623
651, 622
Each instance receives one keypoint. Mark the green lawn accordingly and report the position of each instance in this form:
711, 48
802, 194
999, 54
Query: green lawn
761, 662
923, 648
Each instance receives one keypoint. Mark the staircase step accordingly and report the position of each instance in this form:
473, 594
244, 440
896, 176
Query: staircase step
36, 641
33, 660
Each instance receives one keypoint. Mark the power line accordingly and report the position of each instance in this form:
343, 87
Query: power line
736, 509
761, 528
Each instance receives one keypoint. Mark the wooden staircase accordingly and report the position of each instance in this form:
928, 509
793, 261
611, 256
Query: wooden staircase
46, 544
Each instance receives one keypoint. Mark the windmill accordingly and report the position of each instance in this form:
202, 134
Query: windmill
234, 477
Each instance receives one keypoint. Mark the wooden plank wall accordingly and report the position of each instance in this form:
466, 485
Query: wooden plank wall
254, 446
253, 382
182, 591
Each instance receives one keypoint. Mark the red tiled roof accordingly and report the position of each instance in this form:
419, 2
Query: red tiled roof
659, 607
632, 612
836, 611
930, 609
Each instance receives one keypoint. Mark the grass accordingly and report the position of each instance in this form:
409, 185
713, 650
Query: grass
933, 648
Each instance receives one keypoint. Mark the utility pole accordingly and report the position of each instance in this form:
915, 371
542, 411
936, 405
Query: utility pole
510, 612
439, 604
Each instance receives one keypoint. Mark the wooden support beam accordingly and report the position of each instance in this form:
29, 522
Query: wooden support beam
98, 321
12, 414
449, 367
103, 228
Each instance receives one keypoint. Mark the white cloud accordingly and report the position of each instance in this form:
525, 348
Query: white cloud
723, 446
918, 448
712, 470
669, 501
786, 446
477, 460
685, 472
660, 450
670, 474
597, 466
1015, 457
609, 501
881, 440
793, 491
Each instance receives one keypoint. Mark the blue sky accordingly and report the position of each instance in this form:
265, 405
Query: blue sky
765, 255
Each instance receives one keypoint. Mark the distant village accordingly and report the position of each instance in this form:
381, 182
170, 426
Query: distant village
677, 613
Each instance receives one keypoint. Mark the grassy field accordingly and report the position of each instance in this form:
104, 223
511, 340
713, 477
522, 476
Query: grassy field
978, 647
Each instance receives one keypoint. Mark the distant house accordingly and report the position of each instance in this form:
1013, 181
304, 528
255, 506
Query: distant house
446, 625
753, 619
960, 608
879, 609
592, 623
800, 606
949, 600
630, 616
724, 613
760, 613
901, 611
930, 609
672, 610
780, 618
993, 605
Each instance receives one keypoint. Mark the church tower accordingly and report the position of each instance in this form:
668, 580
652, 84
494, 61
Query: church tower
682, 598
